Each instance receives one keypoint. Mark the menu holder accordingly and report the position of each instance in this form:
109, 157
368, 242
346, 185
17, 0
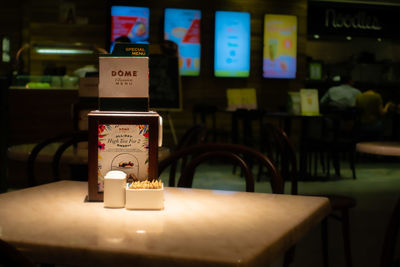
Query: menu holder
309, 102
294, 106
125, 141
241, 98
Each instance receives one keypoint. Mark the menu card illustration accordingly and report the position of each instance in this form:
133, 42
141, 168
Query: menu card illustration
123, 148
232, 44
129, 22
280, 46
182, 26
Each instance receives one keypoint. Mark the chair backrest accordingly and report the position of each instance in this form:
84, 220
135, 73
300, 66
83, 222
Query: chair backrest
342, 123
73, 140
282, 152
80, 111
204, 113
237, 153
10, 256
186, 179
242, 126
64, 137
194, 135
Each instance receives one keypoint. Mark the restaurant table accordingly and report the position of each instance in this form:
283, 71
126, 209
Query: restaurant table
384, 148
53, 223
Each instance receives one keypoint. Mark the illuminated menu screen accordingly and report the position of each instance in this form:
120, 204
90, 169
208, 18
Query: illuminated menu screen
280, 46
232, 44
182, 26
129, 24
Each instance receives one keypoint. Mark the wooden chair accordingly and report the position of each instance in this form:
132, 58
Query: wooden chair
186, 179
78, 137
340, 204
335, 137
236, 153
206, 115
11, 257
242, 126
194, 135
80, 111
59, 139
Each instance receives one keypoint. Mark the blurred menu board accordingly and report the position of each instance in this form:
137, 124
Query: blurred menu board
280, 46
232, 44
129, 24
182, 26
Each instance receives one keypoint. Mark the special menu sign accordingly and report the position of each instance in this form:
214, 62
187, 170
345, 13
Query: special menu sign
344, 19
124, 78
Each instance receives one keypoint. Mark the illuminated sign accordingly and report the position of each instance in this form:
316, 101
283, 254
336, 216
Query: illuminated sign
232, 44
280, 46
182, 26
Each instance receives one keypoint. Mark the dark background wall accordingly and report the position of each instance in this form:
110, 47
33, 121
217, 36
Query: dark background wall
28, 22
38, 21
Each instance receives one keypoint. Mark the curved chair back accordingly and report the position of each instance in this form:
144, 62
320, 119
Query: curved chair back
186, 179
203, 114
284, 153
76, 138
64, 137
202, 152
194, 135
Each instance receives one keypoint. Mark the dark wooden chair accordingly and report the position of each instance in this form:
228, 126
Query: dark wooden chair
194, 135
79, 171
80, 111
234, 152
242, 126
186, 178
340, 204
10, 256
329, 139
206, 115
59, 139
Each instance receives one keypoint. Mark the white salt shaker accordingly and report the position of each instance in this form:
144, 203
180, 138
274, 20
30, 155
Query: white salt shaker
114, 189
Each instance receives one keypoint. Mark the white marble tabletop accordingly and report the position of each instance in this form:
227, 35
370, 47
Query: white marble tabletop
384, 148
52, 223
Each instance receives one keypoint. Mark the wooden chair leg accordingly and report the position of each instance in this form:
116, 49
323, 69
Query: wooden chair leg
322, 160
352, 164
315, 163
346, 237
336, 163
324, 235
289, 256
328, 165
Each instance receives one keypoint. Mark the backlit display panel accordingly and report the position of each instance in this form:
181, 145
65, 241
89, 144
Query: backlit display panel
182, 26
232, 44
280, 46
129, 24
